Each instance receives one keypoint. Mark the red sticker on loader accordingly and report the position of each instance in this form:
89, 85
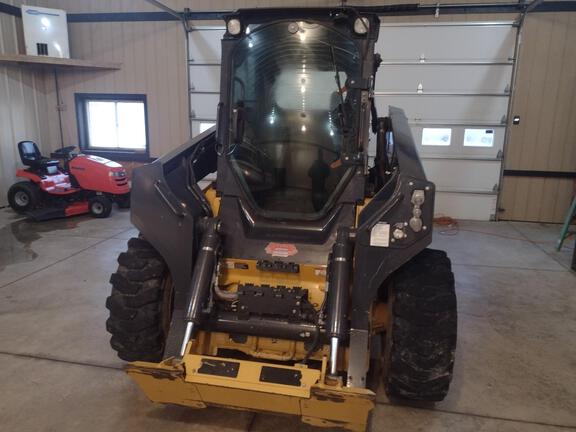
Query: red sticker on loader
282, 250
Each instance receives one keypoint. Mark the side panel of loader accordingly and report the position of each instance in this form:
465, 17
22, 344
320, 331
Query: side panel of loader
166, 202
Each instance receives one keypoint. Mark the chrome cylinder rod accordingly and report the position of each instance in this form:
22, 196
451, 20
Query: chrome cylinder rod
333, 356
187, 335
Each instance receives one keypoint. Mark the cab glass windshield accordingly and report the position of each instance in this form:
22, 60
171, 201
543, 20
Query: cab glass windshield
295, 102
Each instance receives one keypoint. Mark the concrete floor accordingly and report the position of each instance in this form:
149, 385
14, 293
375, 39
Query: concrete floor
516, 357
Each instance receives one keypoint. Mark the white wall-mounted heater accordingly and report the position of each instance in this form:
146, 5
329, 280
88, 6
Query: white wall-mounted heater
45, 32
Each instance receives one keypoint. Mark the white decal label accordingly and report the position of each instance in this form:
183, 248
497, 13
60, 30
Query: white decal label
380, 235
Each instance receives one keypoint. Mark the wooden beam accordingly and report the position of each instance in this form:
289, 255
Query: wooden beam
56, 62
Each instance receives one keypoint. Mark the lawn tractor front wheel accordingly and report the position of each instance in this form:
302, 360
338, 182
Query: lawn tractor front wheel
140, 304
420, 342
100, 206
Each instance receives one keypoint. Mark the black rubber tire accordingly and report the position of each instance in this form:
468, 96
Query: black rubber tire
30, 190
100, 206
420, 347
140, 303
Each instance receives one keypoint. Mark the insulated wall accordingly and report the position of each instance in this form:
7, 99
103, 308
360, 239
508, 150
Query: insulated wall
23, 105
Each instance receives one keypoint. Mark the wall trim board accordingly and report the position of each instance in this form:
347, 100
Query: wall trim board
10, 10
408, 9
542, 174
95, 17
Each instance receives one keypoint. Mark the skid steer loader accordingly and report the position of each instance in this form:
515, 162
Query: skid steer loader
301, 276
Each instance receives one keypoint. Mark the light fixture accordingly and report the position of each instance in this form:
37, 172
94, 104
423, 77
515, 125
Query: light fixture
250, 43
234, 27
361, 25
302, 35
303, 128
303, 89
247, 30
272, 117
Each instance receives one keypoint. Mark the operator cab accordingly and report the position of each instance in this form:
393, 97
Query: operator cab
297, 94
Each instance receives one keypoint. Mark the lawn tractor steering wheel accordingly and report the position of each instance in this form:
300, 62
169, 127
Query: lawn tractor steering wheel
63, 153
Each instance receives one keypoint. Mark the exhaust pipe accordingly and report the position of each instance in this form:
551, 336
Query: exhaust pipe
338, 294
201, 276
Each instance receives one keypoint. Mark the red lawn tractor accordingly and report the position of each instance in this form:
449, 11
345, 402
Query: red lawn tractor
67, 184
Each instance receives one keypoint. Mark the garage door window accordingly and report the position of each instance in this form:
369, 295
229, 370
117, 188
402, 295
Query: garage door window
113, 126
479, 137
204, 126
436, 136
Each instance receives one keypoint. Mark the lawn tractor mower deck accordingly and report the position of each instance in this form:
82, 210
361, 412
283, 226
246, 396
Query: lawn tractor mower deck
67, 184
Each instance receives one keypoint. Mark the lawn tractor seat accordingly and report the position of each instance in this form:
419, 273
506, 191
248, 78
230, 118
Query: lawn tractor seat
30, 156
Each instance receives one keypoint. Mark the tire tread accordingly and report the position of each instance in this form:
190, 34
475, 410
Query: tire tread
419, 356
136, 303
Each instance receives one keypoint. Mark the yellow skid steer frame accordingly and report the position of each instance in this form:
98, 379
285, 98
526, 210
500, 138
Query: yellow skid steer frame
199, 381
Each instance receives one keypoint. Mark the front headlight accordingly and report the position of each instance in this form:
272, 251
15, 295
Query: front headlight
234, 27
361, 25
117, 173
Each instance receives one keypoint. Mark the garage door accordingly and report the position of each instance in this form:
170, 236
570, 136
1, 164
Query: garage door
453, 81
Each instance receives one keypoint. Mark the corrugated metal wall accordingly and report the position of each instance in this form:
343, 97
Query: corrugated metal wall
153, 57
545, 139
23, 104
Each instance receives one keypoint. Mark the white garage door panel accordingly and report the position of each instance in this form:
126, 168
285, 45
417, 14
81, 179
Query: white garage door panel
205, 45
204, 105
450, 42
439, 78
485, 109
465, 206
461, 175
205, 78
465, 70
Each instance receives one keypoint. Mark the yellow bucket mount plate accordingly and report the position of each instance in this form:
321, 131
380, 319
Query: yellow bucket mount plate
200, 381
